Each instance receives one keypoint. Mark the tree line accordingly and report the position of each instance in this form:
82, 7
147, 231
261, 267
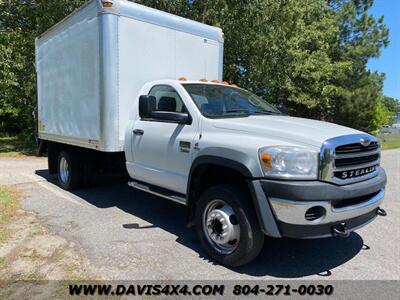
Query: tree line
308, 56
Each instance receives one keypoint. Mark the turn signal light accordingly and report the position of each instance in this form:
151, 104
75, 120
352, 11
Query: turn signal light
267, 160
182, 78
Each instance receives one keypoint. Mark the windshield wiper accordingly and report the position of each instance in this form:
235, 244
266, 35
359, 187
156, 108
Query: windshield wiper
267, 112
244, 111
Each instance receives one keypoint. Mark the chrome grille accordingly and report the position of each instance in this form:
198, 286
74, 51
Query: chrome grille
356, 160
349, 159
356, 148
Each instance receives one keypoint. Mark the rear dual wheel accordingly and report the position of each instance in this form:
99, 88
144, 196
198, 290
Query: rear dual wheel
68, 169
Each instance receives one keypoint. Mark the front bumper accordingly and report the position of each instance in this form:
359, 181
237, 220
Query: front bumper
293, 212
350, 206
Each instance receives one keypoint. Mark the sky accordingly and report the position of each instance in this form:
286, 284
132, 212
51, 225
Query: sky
389, 61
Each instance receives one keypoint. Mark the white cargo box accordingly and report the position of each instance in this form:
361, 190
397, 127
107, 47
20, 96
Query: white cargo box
92, 65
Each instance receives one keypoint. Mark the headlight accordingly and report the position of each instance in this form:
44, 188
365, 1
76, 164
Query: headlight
289, 162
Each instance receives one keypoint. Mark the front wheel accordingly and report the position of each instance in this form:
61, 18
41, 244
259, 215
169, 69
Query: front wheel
227, 225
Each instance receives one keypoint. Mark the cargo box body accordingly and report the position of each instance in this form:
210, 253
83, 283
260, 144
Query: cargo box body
92, 65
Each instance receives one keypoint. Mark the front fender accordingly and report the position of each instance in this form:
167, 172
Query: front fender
249, 166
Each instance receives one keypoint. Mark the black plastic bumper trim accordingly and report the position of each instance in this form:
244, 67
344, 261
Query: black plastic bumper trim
323, 230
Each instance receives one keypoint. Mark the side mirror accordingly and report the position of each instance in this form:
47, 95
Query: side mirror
177, 117
147, 104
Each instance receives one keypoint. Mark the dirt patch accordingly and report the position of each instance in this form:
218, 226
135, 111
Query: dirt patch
28, 252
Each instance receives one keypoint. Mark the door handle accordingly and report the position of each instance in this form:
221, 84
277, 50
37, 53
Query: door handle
138, 132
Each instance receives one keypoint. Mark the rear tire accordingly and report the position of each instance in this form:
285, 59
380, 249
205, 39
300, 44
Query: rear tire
227, 225
68, 170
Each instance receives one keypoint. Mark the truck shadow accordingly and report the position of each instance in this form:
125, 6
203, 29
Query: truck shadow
291, 258
282, 258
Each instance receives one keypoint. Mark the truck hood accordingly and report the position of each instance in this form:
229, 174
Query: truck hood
285, 128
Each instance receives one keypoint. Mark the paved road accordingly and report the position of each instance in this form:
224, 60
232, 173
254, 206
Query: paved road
128, 234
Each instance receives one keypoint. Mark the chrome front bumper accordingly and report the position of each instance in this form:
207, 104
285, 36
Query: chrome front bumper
281, 206
293, 212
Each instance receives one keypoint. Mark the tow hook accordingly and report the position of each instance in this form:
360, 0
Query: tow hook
341, 230
381, 212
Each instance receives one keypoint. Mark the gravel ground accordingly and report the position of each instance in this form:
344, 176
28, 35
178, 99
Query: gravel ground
128, 234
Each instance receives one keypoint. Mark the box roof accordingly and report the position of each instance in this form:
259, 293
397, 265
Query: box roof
146, 14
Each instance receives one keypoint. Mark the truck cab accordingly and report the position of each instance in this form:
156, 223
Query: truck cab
244, 170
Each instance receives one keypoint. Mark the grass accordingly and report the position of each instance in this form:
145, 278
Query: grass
16, 146
389, 141
62, 289
33, 255
3, 235
8, 207
37, 230
3, 263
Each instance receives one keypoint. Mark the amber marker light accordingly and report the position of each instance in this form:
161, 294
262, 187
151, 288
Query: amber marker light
215, 81
107, 4
182, 78
203, 80
267, 160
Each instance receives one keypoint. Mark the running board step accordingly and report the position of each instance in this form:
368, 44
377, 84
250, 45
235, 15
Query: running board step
161, 192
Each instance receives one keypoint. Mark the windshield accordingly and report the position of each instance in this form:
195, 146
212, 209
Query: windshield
218, 101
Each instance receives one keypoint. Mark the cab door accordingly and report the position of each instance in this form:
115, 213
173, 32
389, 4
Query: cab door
162, 150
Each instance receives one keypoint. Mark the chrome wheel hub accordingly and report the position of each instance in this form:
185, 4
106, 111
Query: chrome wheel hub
221, 227
64, 170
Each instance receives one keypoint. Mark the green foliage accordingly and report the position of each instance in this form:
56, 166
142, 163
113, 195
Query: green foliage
21, 21
309, 55
17, 146
381, 116
393, 107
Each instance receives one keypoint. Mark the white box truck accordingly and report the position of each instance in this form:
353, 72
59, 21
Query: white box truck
109, 98
92, 65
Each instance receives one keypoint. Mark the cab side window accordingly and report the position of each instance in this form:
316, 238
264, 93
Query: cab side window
167, 99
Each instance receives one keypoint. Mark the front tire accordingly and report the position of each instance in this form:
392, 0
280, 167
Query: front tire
227, 225
69, 173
